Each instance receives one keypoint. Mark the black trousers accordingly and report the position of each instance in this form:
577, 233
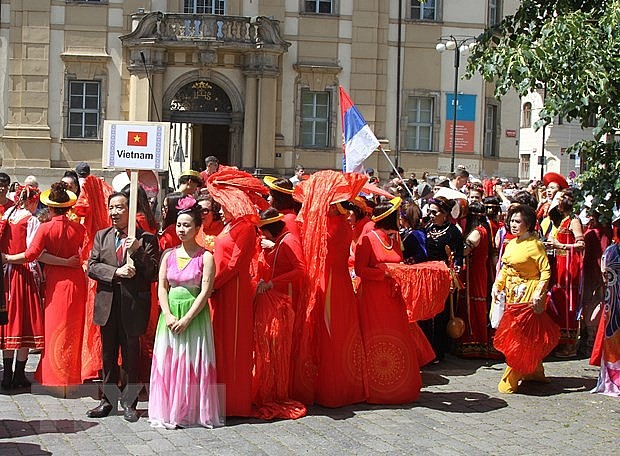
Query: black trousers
435, 331
113, 337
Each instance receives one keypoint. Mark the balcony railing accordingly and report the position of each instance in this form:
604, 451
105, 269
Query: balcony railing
210, 28
228, 30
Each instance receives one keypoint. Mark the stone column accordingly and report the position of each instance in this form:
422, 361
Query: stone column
267, 122
139, 97
248, 154
140, 101
261, 71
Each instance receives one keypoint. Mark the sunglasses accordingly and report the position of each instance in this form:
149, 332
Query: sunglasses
433, 212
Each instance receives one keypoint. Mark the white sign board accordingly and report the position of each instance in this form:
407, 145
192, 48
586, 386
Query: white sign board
136, 145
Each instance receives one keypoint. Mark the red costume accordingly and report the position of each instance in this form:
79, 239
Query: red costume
311, 327
273, 329
290, 220
168, 239
475, 341
206, 235
21, 285
65, 295
340, 379
565, 292
92, 207
233, 321
148, 338
391, 357
5, 207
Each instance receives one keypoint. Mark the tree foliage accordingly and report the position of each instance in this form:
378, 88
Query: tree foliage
572, 49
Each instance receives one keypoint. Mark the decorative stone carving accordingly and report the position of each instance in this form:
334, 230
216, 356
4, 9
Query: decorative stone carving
317, 77
261, 63
207, 57
202, 96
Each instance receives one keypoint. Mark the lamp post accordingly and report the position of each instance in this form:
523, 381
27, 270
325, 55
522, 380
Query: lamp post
544, 132
459, 45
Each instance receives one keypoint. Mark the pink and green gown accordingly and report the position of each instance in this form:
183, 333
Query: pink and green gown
183, 388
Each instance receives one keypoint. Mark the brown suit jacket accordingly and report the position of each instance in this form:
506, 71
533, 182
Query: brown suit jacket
135, 292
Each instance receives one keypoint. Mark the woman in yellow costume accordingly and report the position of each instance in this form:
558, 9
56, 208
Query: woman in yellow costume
526, 334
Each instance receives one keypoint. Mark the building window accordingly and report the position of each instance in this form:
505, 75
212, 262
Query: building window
205, 7
420, 123
494, 12
526, 117
319, 6
314, 119
525, 167
426, 11
490, 131
84, 108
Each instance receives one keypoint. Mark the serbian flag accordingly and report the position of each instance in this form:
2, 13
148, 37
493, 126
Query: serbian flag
359, 140
137, 138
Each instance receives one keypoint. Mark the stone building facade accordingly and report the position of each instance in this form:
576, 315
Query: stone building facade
555, 138
252, 82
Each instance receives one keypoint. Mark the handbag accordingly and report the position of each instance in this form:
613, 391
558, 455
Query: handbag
497, 311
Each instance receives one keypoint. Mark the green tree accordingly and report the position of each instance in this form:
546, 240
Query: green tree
571, 48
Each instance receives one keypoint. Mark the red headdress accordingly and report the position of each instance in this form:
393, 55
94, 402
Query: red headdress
92, 206
316, 194
555, 177
25, 193
239, 192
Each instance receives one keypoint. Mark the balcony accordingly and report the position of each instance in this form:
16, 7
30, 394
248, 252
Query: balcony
205, 30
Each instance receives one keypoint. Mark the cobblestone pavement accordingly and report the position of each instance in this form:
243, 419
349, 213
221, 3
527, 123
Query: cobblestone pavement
459, 412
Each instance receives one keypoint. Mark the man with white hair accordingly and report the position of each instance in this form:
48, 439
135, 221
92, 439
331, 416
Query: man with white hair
32, 181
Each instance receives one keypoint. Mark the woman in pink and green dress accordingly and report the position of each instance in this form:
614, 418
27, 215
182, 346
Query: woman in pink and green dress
183, 377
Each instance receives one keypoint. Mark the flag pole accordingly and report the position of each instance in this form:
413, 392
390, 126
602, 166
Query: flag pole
396, 171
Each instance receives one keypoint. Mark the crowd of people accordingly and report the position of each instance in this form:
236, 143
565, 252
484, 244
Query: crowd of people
258, 298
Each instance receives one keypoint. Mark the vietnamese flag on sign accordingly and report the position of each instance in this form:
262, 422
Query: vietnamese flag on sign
137, 138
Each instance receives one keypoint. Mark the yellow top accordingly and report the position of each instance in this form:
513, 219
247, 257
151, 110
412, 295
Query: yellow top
526, 271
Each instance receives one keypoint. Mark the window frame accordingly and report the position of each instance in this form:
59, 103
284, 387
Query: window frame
84, 110
496, 18
491, 133
193, 6
526, 115
417, 124
315, 120
525, 161
304, 10
415, 5
87, 2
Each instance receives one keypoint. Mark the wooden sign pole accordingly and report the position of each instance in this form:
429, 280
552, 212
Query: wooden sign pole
133, 208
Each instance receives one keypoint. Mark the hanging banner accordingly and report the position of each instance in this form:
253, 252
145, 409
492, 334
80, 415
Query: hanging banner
136, 145
465, 122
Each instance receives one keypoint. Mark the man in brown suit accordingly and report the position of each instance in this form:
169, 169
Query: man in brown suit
122, 303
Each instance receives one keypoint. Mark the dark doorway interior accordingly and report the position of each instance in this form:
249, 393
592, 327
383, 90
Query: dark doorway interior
210, 140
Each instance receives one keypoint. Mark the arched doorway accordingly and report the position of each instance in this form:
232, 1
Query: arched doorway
203, 123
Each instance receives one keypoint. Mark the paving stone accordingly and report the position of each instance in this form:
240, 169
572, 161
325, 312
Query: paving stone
459, 412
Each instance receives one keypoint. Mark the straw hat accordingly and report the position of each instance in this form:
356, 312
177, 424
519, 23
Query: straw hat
45, 199
395, 202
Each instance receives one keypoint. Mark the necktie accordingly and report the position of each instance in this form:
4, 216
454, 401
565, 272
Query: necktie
120, 249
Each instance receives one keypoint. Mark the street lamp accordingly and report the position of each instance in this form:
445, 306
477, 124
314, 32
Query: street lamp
459, 45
